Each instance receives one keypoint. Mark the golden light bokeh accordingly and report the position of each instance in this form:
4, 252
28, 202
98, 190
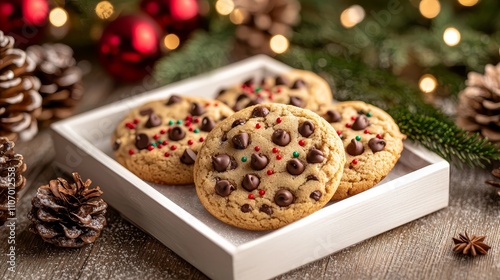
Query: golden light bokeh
58, 17
237, 16
468, 3
352, 16
429, 8
104, 9
427, 83
451, 36
171, 41
224, 7
279, 43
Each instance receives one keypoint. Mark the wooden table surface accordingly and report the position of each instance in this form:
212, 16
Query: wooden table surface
418, 250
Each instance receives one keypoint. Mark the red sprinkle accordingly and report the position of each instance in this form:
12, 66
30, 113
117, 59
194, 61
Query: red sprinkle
191, 128
202, 139
187, 123
159, 146
173, 147
169, 129
270, 96
216, 104
166, 154
156, 136
190, 142
259, 95
136, 120
189, 118
302, 142
348, 125
207, 104
339, 132
165, 142
353, 118
278, 90
366, 131
354, 161
150, 148
131, 152
279, 157
257, 148
275, 150
270, 172
130, 125
379, 136
257, 126
262, 192
197, 120
278, 120
163, 131
251, 196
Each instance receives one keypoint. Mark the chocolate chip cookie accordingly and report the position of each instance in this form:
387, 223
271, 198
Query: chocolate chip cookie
300, 88
267, 166
372, 141
159, 141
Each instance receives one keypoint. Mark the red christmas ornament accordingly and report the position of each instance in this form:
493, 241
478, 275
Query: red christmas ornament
180, 17
129, 47
24, 20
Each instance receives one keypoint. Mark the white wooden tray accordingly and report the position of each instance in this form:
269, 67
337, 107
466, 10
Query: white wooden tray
417, 186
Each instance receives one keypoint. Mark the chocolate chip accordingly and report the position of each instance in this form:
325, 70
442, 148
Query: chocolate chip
238, 122
146, 111
249, 82
258, 161
280, 137
355, 148
221, 91
306, 129
266, 209
280, 80
312, 178
316, 195
376, 144
241, 140
260, 111
299, 83
176, 133
141, 141
224, 188
207, 124
153, 121
223, 162
241, 97
315, 156
332, 116
196, 109
222, 118
117, 144
188, 157
283, 198
174, 99
245, 208
296, 101
250, 182
224, 137
360, 123
255, 101
295, 167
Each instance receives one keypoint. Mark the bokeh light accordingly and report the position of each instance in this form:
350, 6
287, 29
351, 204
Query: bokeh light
224, 7
279, 43
58, 17
451, 36
171, 41
237, 16
468, 3
104, 9
427, 83
429, 8
352, 16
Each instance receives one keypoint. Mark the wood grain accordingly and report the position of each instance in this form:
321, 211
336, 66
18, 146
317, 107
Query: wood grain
417, 250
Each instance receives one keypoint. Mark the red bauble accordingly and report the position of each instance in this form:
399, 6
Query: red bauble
24, 20
180, 17
129, 47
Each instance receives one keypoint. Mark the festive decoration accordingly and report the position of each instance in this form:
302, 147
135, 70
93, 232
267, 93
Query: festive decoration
470, 245
495, 172
129, 47
24, 20
479, 106
61, 80
68, 214
263, 26
19, 98
179, 17
12, 180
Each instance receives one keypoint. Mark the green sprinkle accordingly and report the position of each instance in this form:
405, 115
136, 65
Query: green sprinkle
196, 130
179, 121
159, 142
170, 122
295, 154
369, 114
244, 159
153, 144
257, 89
358, 137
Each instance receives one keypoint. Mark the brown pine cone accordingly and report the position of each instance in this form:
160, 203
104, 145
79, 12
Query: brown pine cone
263, 19
61, 80
12, 180
20, 101
68, 214
479, 106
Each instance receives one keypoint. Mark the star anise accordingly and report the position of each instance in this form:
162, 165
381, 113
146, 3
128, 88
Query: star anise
496, 173
470, 245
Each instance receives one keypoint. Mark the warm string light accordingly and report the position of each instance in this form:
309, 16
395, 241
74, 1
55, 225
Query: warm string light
171, 41
224, 7
237, 16
104, 9
468, 3
429, 8
352, 16
427, 83
58, 17
451, 36
279, 43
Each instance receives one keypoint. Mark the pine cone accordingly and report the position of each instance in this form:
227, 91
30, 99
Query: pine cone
12, 180
263, 19
479, 106
61, 80
19, 98
68, 215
